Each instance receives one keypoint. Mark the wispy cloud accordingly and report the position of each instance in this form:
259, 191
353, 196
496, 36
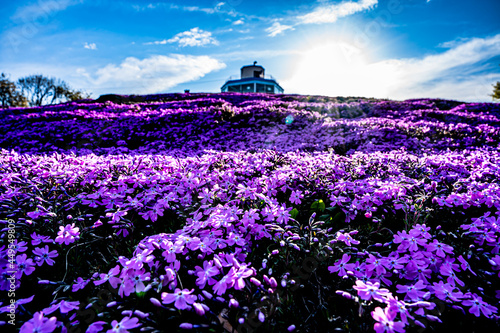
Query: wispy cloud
324, 13
193, 37
331, 13
218, 8
277, 29
91, 46
454, 74
42, 9
239, 22
150, 75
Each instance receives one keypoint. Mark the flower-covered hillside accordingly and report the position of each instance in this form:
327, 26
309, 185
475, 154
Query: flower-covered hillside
250, 213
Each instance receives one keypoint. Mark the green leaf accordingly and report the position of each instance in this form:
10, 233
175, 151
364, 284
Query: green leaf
318, 205
324, 217
334, 219
294, 213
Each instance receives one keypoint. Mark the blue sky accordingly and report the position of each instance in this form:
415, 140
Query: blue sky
374, 48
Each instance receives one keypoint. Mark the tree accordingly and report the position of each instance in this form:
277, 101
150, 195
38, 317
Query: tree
9, 96
42, 90
37, 88
496, 91
75, 95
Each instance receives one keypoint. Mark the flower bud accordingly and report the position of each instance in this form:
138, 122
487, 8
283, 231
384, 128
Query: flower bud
255, 281
198, 308
207, 294
141, 314
233, 303
433, 318
111, 304
155, 302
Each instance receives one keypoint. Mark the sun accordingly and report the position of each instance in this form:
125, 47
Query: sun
338, 69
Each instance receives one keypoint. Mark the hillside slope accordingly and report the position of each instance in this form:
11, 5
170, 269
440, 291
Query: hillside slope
250, 213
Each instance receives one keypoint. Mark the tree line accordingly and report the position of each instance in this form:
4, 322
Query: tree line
36, 90
496, 91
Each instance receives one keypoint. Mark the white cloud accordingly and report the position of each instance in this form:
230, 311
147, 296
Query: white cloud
218, 8
42, 10
277, 29
239, 22
330, 13
91, 46
193, 37
342, 70
151, 75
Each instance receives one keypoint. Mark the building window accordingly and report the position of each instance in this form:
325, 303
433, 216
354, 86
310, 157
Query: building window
248, 87
234, 88
261, 87
270, 89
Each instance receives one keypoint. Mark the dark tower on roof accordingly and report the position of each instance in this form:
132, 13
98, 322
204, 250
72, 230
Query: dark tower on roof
252, 79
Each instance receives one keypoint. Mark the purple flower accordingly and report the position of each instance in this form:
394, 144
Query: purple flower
439, 248
182, 298
205, 274
80, 283
63, 306
114, 281
138, 278
376, 264
19, 246
39, 324
95, 327
342, 265
412, 291
238, 276
296, 196
67, 234
18, 302
448, 269
44, 255
420, 230
414, 242
234, 238
478, 305
394, 261
124, 325
370, 290
465, 265
221, 286
140, 258
399, 307
38, 239
385, 321
24, 265
347, 239
126, 286
444, 291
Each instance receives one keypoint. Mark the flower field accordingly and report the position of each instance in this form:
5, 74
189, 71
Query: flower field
250, 213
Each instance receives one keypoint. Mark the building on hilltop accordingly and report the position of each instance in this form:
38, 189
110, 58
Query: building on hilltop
253, 79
